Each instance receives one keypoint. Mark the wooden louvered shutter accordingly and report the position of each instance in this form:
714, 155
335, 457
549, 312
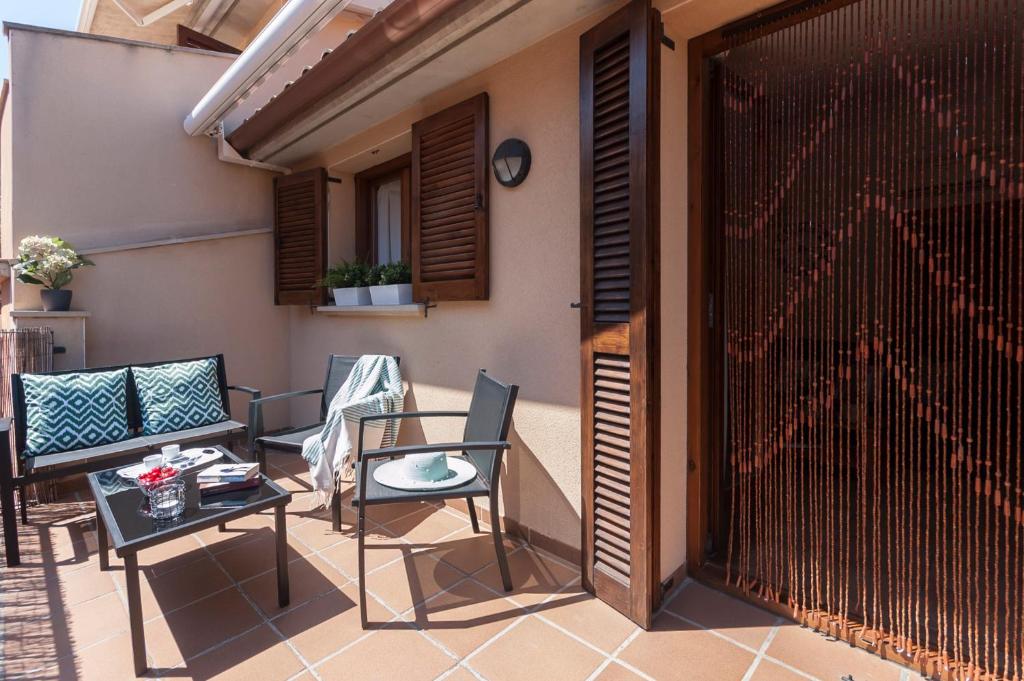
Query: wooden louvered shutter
449, 203
619, 82
300, 237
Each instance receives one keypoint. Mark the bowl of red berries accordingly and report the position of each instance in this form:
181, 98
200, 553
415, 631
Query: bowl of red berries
156, 477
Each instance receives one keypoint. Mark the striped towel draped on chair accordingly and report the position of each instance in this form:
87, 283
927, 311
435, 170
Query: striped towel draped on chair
373, 387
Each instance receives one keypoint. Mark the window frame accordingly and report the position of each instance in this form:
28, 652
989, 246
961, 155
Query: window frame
366, 184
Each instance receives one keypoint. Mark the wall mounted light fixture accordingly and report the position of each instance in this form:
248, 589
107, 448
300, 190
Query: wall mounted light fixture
511, 162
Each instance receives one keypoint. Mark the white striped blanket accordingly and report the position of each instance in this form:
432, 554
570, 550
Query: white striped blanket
373, 387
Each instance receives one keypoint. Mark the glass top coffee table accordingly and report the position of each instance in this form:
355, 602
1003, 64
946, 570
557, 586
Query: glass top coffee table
120, 514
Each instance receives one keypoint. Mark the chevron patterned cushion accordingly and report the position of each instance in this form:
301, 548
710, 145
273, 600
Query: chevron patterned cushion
179, 395
72, 411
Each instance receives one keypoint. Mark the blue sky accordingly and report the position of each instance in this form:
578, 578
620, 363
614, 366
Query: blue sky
51, 13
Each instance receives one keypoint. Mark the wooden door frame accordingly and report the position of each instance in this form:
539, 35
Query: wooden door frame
704, 422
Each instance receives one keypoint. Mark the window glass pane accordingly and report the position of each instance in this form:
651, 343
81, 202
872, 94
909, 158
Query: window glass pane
389, 222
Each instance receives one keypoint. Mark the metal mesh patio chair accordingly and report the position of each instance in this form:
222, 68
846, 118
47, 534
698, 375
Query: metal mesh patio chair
290, 439
483, 444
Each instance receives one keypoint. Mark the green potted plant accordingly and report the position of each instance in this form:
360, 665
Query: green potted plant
48, 261
349, 281
391, 284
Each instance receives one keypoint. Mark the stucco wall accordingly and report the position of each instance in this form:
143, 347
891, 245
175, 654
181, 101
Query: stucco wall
99, 150
101, 159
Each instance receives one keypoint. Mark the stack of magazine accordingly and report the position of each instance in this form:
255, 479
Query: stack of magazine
228, 484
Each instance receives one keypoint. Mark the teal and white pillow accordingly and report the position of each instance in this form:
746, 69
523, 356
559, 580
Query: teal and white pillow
179, 395
72, 411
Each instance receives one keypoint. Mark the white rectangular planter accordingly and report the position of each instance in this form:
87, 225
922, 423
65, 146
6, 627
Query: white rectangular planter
358, 295
391, 294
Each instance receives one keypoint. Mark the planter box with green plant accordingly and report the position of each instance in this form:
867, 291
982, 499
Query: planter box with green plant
391, 284
349, 282
48, 261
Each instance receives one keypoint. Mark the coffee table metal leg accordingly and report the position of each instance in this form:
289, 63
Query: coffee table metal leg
101, 542
282, 556
131, 578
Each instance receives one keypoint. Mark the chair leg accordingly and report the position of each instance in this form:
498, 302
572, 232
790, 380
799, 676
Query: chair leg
472, 514
499, 545
23, 500
261, 457
361, 532
336, 511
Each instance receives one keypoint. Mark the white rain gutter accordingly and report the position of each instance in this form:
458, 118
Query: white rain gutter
157, 14
283, 35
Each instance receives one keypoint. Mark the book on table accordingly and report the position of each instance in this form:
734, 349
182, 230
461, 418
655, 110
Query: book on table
228, 472
209, 489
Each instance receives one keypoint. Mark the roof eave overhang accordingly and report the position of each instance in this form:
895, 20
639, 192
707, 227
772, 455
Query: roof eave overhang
390, 43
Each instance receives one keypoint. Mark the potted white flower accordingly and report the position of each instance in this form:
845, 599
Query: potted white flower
391, 284
48, 261
349, 283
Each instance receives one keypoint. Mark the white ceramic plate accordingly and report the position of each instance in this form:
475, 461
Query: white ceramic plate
392, 474
189, 458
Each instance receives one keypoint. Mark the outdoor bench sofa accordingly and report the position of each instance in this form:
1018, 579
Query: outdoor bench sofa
175, 402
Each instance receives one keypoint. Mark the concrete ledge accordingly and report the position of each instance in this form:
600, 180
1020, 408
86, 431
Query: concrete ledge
28, 314
414, 310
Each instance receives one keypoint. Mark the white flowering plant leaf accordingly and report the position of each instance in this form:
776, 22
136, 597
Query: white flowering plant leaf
47, 261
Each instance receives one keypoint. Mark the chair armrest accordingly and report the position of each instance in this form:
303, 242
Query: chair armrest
400, 415
426, 449
255, 428
288, 396
253, 392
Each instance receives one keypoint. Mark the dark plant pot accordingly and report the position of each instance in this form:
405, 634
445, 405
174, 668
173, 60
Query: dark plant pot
55, 301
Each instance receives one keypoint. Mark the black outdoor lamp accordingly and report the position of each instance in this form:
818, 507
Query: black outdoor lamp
511, 162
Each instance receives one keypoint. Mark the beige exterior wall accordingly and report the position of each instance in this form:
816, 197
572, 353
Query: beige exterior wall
100, 158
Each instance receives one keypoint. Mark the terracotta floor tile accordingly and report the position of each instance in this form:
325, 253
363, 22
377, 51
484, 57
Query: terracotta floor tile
374, 658
411, 581
110, 659
715, 610
84, 585
535, 650
256, 557
292, 480
534, 576
172, 590
465, 616
769, 671
237, 531
470, 551
318, 535
168, 557
617, 672
386, 513
326, 624
185, 633
95, 620
813, 653
673, 649
458, 674
257, 656
379, 550
308, 577
426, 527
588, 618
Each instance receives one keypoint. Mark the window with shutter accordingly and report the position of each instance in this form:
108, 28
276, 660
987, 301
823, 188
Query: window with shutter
449, 203
619, 80
300, 237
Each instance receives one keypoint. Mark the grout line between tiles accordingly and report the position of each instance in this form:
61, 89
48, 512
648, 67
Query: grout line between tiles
762, 650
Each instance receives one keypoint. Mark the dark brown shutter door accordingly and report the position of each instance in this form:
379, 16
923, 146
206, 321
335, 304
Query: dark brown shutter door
449, 203
300, 237
619, 81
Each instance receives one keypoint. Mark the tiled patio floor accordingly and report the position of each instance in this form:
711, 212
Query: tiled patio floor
209, 602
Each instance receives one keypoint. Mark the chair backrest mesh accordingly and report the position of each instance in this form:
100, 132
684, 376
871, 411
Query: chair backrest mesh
490, 416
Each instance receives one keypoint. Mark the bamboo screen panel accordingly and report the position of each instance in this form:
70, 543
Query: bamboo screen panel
870, 206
